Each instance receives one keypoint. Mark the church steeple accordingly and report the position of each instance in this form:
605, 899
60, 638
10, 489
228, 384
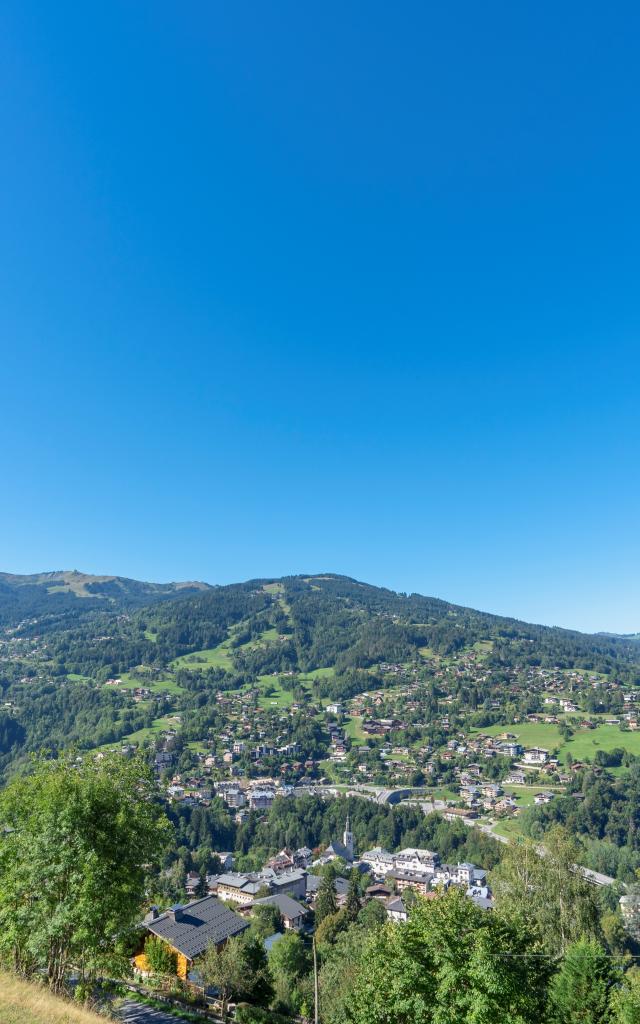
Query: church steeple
347, 838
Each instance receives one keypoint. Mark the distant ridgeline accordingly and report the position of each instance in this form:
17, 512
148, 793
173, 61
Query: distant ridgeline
73, 649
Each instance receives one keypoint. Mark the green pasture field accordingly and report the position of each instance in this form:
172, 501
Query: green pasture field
212, 657
353, 729
159, 724
279, 698
167, 685
583, 744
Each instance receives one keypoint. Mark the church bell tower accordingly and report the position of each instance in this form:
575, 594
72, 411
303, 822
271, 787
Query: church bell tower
347, 838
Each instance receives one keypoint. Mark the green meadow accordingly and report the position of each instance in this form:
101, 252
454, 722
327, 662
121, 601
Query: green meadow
213, 657
353, 729
584, 743
167, 685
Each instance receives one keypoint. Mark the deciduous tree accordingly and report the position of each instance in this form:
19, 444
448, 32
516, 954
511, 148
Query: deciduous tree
78, 838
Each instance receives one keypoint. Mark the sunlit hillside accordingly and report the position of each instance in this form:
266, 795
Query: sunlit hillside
23, 1003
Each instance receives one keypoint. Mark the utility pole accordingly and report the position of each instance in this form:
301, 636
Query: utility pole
316, 1016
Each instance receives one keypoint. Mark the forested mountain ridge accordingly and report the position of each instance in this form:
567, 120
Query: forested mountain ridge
321, 638
334, 621
63, 592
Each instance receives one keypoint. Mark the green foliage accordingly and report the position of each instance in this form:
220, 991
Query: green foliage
326, 902
352, 905
310, 821
239, 970
265, 920
246, 1014
329, 928
327, 621
547, 891
372, 915
605, 814
451, 963
289, 963
73, 863
162, 960
580, 992
625, 999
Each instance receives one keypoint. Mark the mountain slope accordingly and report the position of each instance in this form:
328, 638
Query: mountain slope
53, 593
327, 635
321, 622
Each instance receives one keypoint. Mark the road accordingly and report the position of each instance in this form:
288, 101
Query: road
132, 1012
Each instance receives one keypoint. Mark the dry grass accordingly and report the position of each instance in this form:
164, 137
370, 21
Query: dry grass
24, 1003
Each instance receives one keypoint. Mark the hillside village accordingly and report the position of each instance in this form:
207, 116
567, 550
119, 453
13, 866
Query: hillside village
289, 886
439, 749
412, 731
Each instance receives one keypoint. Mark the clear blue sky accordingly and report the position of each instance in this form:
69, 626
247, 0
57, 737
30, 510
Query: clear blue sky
289, 287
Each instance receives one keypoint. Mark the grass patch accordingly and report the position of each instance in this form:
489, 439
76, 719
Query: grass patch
24, 1003
268, 636
318, 673
213, 657
525, 794
167, 685
584, 743
159, 725
509, 827
353, 729
279, 698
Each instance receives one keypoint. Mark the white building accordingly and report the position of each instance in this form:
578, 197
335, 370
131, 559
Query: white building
535, 756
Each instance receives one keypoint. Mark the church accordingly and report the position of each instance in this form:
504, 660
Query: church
337, 849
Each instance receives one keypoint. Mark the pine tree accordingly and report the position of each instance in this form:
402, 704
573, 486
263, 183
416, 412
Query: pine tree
326, 902
581, 989
352, 906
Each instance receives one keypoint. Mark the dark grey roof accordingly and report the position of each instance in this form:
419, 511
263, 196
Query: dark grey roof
341, 885
199, 923
339, 849
287, 906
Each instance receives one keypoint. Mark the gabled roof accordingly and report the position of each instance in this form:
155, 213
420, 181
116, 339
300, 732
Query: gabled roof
287, 907
197, 925
339, 849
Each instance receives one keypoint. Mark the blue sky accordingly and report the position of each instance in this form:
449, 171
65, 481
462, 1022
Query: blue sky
351, 287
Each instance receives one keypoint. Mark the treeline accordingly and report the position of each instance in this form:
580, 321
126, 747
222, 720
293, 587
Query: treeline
59, 715
604, 812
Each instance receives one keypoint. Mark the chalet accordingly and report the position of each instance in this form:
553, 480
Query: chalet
459, 813
188, 930
226, 859
291, 912
543, 798
460, 874
415, 859
377, 891
516, 778
192, 883
396, 910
